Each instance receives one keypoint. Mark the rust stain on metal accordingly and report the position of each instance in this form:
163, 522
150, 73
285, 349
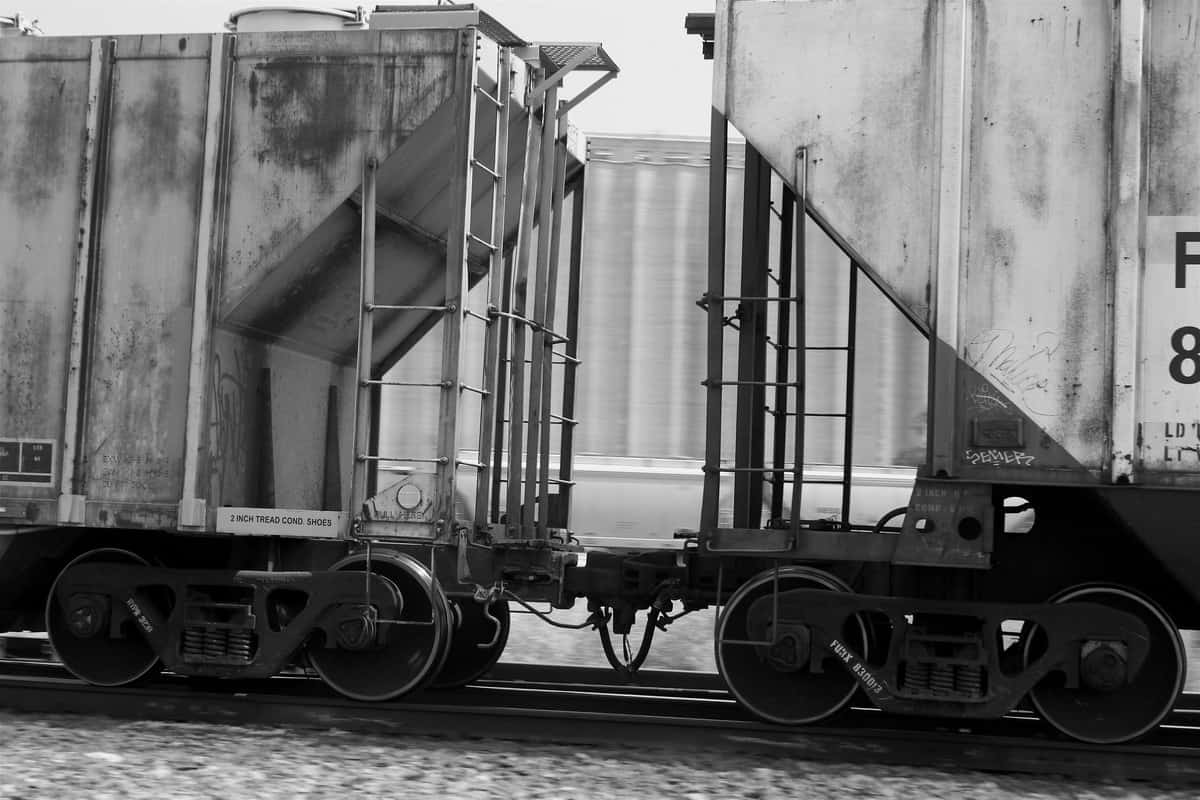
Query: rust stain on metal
1172, 89
1027, 152
38, 154
26, 333
298, 99
156, 120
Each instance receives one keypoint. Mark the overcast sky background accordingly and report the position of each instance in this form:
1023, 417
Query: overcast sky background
664, 86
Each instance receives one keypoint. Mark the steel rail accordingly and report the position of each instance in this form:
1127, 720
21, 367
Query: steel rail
536, 708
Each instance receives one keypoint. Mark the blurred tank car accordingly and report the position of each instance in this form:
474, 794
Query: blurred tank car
220, 255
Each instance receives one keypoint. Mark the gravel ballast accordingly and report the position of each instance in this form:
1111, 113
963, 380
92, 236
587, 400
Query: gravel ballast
91, 757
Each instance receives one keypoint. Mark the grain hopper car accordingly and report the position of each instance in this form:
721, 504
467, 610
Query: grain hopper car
1021, 179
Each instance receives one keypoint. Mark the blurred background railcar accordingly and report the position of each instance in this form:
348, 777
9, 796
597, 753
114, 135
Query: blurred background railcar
640, 438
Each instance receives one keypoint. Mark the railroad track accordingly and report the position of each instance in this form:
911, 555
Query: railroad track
589, 706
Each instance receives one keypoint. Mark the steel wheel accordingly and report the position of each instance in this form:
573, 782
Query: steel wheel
414, 649
476, 644
82, 635
1109, 715
789, 694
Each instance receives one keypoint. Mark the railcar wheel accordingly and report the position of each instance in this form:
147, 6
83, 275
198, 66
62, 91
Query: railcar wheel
415, 646
81, 633
476, 644
1107, 709
784, 690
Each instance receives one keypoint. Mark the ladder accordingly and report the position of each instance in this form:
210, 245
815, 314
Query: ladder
528, 338
531, 342
455, 309
761, 288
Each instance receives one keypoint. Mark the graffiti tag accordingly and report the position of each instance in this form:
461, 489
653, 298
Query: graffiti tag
227, 425
998, 458
1021, 371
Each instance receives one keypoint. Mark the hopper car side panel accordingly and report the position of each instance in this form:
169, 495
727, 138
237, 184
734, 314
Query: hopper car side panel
184, 165
1033, 301
881, 76
1168, 371
272, 413
293, 166
43, 111
1062, 229
141, 313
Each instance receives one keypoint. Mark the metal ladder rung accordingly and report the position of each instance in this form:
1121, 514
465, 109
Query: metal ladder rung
466, 387
555, 419
389, 307
535, 326
749, 383
482, 166
491, 247
566, 360
779, 347
555, 481
752, 299
826, 414
398, 460
829, 347
415, 384
487, 96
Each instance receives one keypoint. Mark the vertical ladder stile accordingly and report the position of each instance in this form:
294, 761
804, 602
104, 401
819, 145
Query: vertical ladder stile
496, 285
516, 415
548, 342
498, 412
540, 276
457, 282
566, 447
362, 396
848, 441
717, 185
782, 354
751, 312
801, 334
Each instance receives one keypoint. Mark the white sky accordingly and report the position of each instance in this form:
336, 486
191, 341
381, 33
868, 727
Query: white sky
664, 86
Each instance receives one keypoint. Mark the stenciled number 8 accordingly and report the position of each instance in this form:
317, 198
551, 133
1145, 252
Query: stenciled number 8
1186, 355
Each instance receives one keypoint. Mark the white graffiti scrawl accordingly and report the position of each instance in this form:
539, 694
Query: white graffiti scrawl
1020, 370
998, 458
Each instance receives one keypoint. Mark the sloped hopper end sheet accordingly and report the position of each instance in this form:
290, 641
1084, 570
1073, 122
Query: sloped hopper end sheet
854, 83
300, 128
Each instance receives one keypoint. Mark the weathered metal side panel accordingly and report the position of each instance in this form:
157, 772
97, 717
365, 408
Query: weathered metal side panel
306, 107
1033, 302
1001, 139
43, 109
1169, 360
267, 423
141, 328
855, 83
